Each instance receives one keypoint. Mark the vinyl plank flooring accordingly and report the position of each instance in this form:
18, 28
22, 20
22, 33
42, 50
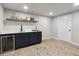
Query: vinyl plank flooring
49, 47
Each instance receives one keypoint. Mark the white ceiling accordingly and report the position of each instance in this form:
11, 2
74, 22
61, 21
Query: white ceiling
42, 8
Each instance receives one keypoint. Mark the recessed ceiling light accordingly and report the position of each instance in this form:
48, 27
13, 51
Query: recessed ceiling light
25, 7
76, 4
50, 13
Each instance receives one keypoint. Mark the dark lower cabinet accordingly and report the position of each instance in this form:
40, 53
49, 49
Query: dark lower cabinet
27, 39
18, 40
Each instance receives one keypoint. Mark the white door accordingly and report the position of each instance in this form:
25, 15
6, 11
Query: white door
64, 27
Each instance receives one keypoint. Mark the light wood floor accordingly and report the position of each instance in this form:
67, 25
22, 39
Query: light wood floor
50, 47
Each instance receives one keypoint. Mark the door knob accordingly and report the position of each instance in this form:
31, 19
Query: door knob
69, 30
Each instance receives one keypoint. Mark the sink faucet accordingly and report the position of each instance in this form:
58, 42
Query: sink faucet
21, 29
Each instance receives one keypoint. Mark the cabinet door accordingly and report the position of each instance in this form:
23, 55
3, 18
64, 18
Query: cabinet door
21, 40
38, 37
35, 37
21, 37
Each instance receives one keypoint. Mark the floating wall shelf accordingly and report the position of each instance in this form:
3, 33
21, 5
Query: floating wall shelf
20, 20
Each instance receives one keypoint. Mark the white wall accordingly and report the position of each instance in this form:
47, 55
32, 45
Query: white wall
1, 18
60, 27
75, 28
54, 27
43, 24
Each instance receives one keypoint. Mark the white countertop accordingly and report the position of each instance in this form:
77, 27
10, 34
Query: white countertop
17, 32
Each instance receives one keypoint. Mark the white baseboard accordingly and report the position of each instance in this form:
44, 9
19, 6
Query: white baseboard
74, 43
56, 38
66, 41
45, 38
60, 39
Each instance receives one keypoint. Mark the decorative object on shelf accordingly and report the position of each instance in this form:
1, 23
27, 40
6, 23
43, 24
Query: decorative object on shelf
18, 17
31, 19
23, 18
28, 18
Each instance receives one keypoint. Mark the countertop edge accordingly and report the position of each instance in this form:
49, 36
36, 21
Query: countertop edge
17, 33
